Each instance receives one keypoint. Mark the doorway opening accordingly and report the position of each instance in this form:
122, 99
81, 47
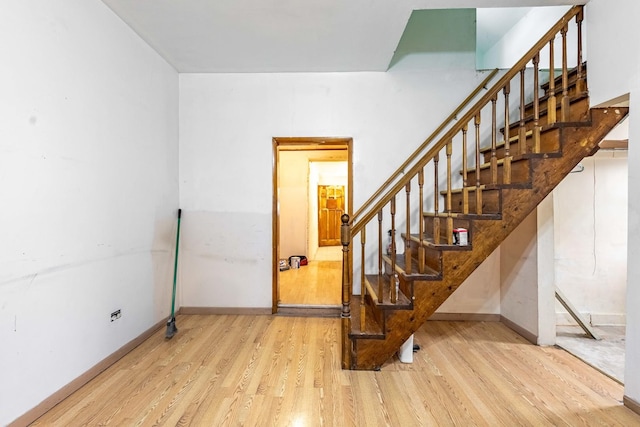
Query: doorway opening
590, 221
312, 188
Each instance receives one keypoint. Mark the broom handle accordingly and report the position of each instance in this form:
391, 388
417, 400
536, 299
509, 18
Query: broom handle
175, 267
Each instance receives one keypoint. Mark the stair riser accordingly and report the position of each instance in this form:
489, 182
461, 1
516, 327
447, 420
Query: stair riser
379, 315
520, 174
578, 112
572, 78
457, 223
490, 202
432, 257
549, 143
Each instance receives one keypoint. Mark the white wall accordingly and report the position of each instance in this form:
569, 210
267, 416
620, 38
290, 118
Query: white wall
519, 276
614, 70
88, 167
590, 210
226, 125
527, 31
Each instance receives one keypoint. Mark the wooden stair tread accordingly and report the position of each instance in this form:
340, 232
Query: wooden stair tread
428, 241
402, 303
472, 188
514, 159
428, 274
372, 329
515, 137
469, 216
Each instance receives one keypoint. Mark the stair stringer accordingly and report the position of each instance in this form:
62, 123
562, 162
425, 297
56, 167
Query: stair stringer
577, 142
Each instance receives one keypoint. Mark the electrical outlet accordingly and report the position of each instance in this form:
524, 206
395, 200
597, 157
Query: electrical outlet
115, 315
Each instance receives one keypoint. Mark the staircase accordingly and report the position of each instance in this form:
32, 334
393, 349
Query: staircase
482, 176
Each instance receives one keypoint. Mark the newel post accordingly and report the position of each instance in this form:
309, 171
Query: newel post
345, 239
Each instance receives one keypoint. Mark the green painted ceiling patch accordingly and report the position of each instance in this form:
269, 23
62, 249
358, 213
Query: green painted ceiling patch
437, 31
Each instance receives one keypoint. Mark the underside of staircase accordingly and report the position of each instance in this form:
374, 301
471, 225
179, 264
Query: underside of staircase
498, 191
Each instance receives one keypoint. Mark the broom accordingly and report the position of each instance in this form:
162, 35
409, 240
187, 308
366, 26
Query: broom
171, 324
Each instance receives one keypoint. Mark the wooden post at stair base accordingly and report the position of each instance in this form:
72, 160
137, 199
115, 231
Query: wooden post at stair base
345, 315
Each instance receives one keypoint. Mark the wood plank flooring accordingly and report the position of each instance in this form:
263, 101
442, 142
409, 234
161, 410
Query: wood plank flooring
232, 370
318, 283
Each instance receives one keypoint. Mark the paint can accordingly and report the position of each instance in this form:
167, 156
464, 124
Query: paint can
295, 262
460, 237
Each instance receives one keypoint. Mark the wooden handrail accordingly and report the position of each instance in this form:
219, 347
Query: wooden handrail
468, 116
427, 141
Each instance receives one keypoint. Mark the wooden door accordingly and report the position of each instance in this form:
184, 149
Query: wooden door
330, 209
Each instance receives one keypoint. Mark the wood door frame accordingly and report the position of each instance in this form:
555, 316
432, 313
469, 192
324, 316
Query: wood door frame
300, 144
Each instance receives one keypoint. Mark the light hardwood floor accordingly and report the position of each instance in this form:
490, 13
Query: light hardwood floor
318, 283
285, 371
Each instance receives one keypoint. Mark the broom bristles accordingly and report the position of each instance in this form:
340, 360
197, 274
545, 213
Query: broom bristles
171, 328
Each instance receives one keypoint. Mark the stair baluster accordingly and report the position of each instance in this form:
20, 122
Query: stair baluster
507, 143
363, 291
380, 282
564, 102
448, 196
407, 245
494, 158
420, 222
476, 123
393, 293
551, 100
522, 130
536, 105
581, 83
465, 169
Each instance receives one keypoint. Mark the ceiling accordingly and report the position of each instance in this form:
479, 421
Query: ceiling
244, 36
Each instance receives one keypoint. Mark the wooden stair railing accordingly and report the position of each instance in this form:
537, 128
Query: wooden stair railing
486, 191
416, 154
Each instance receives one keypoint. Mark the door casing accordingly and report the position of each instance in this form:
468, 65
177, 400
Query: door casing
299, 144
